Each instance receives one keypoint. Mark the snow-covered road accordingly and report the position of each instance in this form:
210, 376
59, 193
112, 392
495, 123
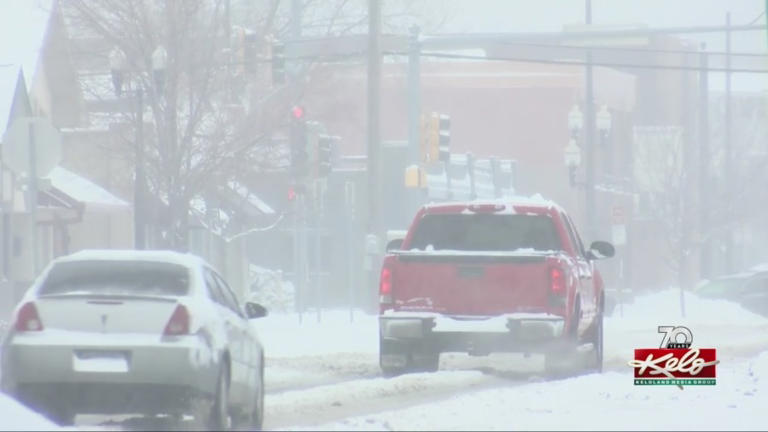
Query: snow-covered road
324, 374
507, 391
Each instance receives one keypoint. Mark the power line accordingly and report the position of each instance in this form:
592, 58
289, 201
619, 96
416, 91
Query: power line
757, 18
580, 63
635, 49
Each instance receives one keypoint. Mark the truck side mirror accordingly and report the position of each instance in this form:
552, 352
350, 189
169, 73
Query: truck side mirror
394, 244
600, 250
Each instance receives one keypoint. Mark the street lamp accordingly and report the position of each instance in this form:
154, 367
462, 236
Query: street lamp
572, 159
159, 65
604, 123
575, 121
118, 65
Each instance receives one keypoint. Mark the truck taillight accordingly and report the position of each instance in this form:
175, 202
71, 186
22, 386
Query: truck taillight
557, 281
179, 322
385, 285
28, 319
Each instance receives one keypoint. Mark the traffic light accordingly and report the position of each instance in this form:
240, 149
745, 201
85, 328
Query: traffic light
239, 49
278, 63
326, 147
324, 154
444, 137
250, 56
298, 137
435, 137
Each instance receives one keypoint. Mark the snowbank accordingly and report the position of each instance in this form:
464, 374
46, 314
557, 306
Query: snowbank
336, 332
16, 417
270, 289
607, 401
719, 324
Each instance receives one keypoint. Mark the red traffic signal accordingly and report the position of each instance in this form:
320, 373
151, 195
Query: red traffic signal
298, 112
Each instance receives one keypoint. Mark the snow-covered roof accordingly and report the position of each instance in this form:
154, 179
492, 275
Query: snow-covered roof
82, 189
22, 29
251, 197
183, 259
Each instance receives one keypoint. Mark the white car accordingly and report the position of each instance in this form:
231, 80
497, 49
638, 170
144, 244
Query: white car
135, 332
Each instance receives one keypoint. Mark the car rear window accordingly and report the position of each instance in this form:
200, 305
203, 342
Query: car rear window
485, 232
117, 277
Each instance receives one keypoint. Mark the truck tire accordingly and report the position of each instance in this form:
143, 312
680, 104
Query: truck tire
563, 360
421, 361
425, 362
595, 363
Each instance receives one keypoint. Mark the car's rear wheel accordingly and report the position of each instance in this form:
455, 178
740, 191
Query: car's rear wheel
61, 415
257, 417
219, 418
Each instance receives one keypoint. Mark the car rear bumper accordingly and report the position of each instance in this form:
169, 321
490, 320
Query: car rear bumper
529, 332
110, 398
137, 368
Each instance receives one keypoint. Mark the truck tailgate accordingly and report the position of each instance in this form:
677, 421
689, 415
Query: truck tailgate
471, 283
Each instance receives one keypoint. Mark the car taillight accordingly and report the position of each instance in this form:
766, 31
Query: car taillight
28, 319
557, 281
179, 322
385, 285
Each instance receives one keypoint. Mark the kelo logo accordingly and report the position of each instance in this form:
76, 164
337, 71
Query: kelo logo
675, 362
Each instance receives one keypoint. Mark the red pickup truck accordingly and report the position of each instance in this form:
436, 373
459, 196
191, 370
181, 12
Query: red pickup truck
492, 276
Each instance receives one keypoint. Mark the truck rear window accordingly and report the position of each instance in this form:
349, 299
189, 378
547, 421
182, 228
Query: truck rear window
117, 277
485, 232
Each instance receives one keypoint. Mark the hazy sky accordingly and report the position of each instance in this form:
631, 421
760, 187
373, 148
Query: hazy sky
552, 15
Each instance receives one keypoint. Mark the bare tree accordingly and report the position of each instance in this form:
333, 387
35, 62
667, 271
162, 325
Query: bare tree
212, 109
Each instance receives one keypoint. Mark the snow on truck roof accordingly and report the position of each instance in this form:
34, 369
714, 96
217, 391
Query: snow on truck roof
533, 201
167, 256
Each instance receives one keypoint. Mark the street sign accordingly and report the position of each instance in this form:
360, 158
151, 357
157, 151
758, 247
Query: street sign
619, 234
617, 215
16, 145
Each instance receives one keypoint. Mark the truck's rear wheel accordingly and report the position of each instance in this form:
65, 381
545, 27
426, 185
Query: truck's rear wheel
425, 362
397, 359
596, 338
562, 361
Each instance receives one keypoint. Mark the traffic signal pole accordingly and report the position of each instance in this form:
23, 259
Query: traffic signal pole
589, 137
374, 94
374, 142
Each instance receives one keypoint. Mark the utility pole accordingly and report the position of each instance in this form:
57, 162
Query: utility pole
704, 164
374, 90
296, 12
33, 195
589, 135
687, 194
414, 96
728, 144
139, 233
414, 112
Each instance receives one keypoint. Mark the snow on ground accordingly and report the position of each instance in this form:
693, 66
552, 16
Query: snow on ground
719, 324
294, 335
15, 416
586, 402
607, 401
